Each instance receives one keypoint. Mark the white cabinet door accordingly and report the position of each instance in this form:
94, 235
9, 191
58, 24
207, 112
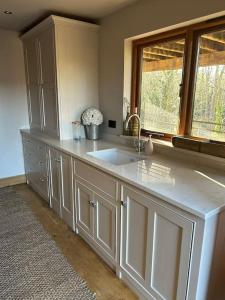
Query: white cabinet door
85, 213
36, 166
135, 234
61, 187
42, 162
33, 79
31, 61
170, 251
105, 225
55, 175
67, 190
156, 246
48, 83
49, 109
46, 41
27, 154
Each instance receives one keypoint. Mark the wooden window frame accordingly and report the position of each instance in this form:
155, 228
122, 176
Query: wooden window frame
191, 34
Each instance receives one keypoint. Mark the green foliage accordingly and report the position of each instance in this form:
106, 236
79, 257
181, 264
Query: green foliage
160, 101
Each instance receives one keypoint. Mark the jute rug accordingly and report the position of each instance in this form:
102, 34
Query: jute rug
31, 265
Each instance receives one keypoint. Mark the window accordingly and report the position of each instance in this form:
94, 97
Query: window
161, 77
179, 82
209, 97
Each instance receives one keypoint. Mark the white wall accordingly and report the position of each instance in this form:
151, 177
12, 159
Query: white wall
13, 104
141, 17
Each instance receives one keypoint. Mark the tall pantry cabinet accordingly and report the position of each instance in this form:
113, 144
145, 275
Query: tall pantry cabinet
61, 58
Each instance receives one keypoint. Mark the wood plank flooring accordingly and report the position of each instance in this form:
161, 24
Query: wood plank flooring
100, 278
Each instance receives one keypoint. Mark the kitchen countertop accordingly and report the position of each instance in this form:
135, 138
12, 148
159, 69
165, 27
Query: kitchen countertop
192, 187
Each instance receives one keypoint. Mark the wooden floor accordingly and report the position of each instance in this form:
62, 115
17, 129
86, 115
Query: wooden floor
100, 278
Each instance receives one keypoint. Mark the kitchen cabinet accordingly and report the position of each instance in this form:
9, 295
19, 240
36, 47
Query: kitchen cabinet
67, 198
32, 82
156, 246
36, 166
105, 214
61, 196
161, 250
97, 211
85, 213
48, 87
61, 73
55, 180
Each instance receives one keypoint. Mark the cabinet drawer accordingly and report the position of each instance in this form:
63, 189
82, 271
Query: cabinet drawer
102, 181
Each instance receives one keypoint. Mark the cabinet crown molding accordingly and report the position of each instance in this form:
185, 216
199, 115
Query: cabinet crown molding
54, 20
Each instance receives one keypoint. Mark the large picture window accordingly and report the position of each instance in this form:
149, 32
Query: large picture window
179, 82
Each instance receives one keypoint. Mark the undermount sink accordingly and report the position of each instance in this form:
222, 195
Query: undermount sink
116, 156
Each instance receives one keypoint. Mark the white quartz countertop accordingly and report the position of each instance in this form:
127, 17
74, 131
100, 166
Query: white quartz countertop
194, 188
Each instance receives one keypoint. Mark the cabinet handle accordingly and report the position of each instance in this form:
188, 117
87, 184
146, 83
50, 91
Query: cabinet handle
123, 203
57, 160
42, 179
91, 203
41, 163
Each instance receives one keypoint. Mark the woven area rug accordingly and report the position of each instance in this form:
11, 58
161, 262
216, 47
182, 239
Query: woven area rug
31, 265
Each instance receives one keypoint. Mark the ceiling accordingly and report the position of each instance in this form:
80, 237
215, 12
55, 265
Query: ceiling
28, 12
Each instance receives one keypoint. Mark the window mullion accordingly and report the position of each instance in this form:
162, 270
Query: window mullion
188, 84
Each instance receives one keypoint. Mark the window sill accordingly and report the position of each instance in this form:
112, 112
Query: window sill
177, 152
159, 142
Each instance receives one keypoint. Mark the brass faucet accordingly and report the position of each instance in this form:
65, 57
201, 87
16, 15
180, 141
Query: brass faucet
139, 145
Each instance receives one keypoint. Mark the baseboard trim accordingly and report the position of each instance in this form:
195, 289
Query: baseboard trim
14, 180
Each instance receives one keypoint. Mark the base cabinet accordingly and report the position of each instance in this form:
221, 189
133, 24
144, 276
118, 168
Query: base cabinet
159, 250
61, 196
105, 225
36, 166
156, 246
55, 180
85, 213
96, 220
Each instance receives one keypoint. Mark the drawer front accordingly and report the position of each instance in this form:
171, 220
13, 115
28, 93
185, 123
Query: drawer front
102, 181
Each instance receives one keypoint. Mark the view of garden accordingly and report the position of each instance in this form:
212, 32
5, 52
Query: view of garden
160, 88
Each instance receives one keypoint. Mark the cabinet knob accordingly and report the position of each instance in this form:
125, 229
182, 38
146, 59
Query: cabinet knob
57, 160
92, 203
42, 179
123, 203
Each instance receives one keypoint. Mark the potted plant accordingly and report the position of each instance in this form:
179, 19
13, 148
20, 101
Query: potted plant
91, 119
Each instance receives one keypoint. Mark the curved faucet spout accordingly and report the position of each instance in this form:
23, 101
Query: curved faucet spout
139, 127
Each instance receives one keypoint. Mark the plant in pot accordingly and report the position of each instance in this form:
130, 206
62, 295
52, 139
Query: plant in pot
91, 119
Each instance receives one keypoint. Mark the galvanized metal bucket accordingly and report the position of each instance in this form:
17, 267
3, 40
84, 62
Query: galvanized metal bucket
92, 132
